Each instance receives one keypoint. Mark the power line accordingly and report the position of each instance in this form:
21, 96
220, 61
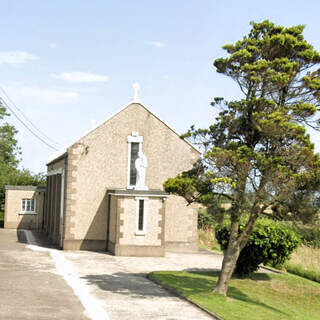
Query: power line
14, 113
30, 122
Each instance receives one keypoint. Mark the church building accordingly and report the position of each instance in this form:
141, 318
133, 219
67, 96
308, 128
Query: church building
105, 191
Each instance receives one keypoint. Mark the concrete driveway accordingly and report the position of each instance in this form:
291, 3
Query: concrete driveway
39, 282
30, 286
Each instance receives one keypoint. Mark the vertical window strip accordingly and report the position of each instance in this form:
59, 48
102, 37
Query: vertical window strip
141, 215
134, 155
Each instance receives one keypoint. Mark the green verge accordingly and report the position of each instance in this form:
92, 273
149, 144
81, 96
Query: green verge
261, 296
302, 272
305, 262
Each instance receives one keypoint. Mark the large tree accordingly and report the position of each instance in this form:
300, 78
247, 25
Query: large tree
258, 144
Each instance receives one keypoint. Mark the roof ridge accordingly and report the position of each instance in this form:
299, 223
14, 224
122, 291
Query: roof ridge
61, 152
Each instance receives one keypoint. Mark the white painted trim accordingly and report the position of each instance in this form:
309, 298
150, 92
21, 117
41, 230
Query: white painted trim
136, 139
142, 232
139, 195
34, 207
27, 212
128, 169
54, 172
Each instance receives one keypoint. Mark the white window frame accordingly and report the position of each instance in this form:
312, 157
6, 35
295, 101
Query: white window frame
30, 211
133, 138
142, 232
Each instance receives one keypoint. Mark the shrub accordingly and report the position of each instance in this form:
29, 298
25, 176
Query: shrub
270, 243
205, 219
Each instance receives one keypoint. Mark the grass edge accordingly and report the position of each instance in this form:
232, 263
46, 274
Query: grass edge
180, 295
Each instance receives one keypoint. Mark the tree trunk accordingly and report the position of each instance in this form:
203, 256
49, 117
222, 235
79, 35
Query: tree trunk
236, 244
228, 265
237, 241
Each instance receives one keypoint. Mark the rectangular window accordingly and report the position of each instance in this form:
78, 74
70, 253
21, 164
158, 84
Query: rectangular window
27, 206
134, 146
141, 213
133, 157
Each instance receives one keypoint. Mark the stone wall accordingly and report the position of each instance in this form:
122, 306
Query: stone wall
124, 238
181, 225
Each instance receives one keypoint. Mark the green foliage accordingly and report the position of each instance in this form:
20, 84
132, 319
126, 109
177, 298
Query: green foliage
26, 178
269, 243
9, 150
259, 144
310, 235
23, 177
301, 206
205, 219
9, 159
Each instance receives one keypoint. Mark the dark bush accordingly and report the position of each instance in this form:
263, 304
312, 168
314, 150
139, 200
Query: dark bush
270, 243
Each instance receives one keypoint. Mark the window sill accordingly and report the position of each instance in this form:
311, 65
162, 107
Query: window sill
27, 212
140, 233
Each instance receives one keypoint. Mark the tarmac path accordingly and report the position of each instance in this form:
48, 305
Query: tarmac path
41, 282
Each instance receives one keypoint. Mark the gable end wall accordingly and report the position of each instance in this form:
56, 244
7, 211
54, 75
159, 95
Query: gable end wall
99, 161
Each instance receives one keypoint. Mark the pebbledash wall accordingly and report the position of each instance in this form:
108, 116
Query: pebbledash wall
124, 238
17, 218
98, 162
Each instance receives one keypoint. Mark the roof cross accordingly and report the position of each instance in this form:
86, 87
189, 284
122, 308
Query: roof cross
136, 88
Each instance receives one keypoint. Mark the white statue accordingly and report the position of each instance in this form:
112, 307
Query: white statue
141, 165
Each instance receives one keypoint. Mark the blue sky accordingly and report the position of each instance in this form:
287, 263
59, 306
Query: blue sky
67, 64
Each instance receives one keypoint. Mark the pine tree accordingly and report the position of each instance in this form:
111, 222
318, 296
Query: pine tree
258, 143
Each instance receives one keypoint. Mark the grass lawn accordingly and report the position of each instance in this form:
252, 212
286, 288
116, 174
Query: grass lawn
262, 296
305, 262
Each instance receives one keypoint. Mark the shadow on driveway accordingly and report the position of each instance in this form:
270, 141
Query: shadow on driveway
128, 284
